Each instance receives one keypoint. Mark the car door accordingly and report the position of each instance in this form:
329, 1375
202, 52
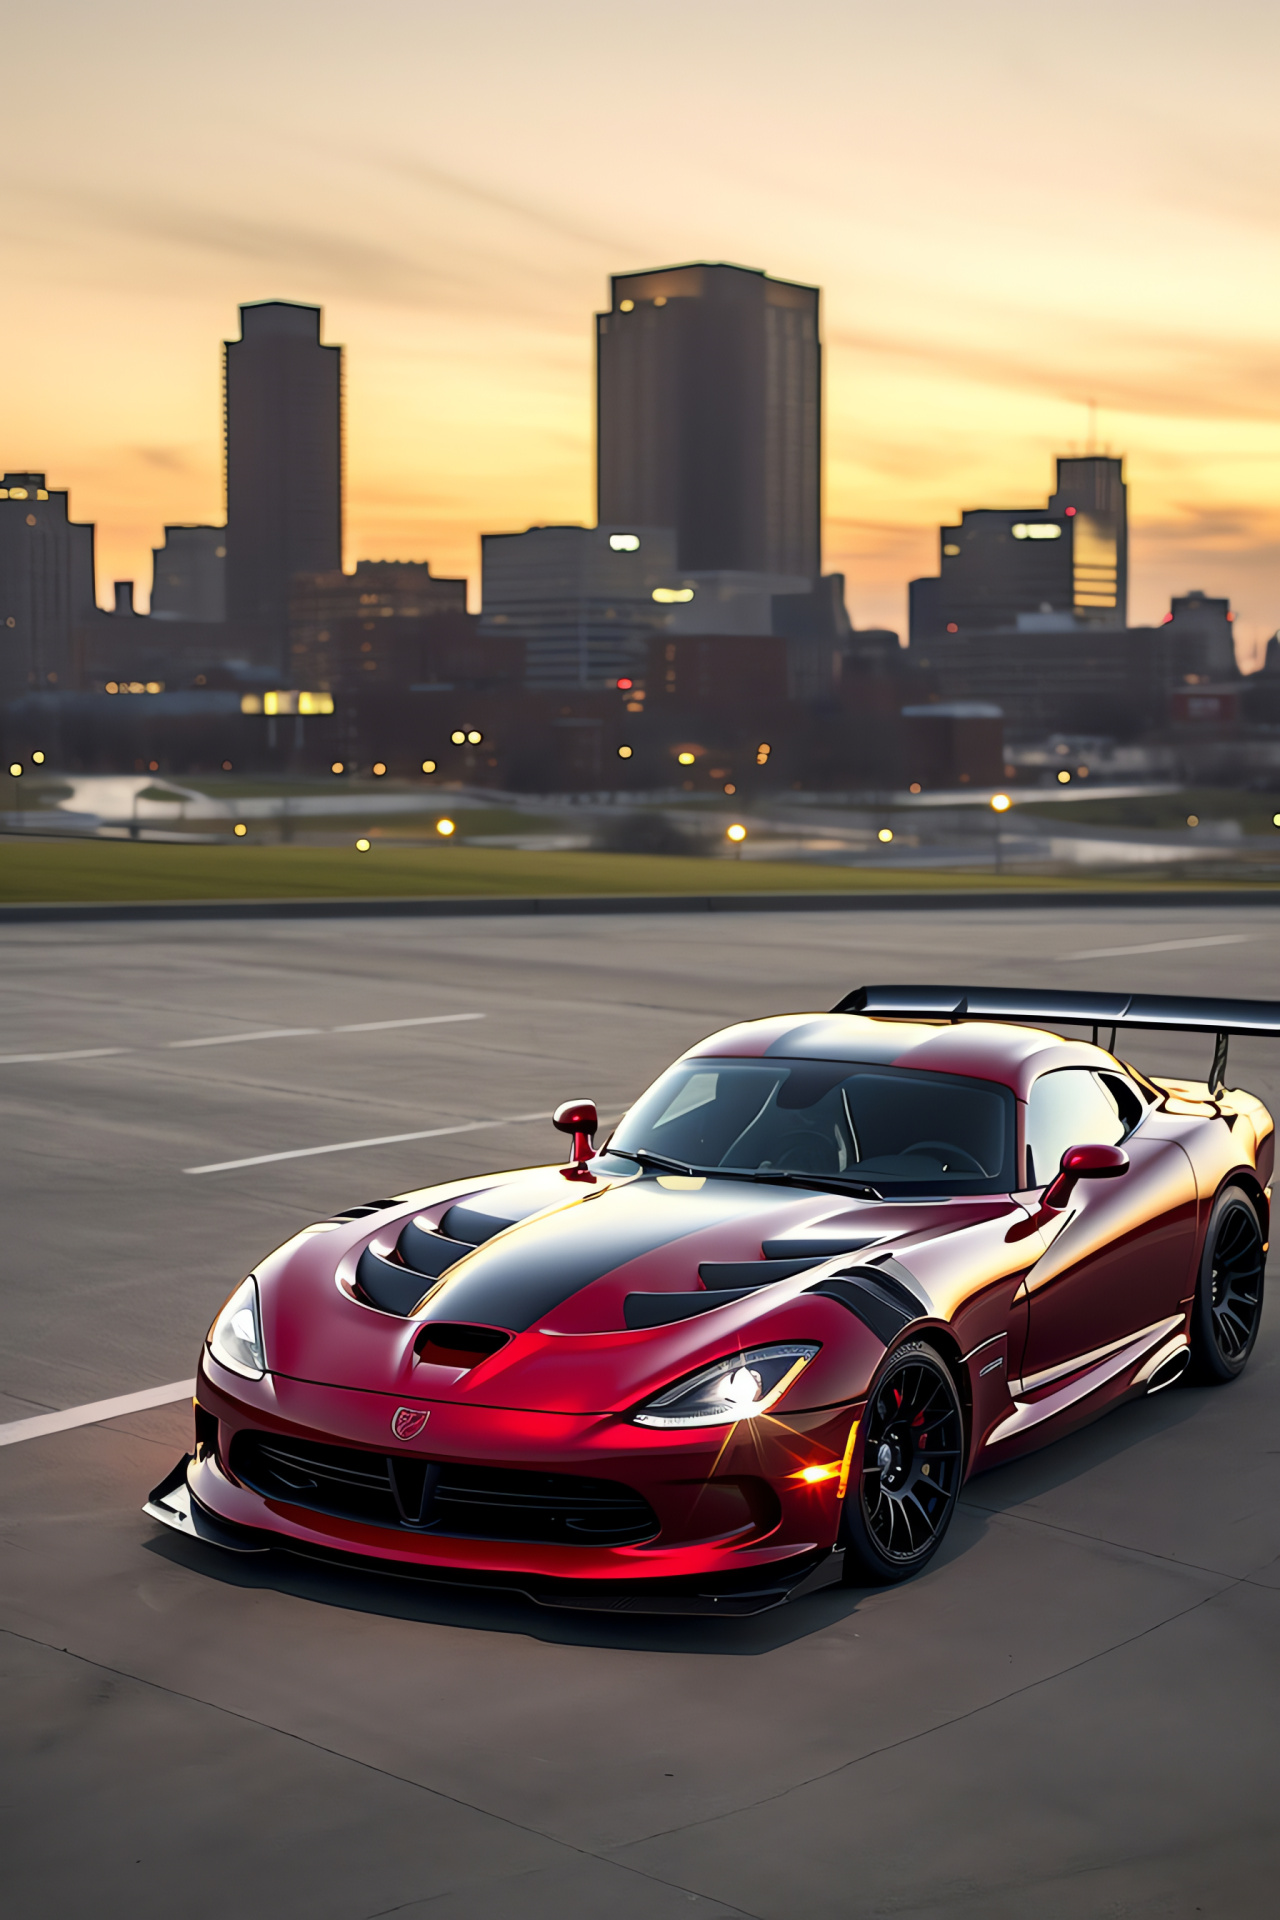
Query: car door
1119, 1255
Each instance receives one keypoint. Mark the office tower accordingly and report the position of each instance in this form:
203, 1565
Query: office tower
582, 597
1005, 566
284, 461
188, 575
46, 585
1091, 492
709, 409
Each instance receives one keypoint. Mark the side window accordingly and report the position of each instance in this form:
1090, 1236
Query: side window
1129, 1101
1070, 1108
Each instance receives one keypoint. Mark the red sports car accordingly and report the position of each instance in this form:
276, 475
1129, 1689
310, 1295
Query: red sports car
827, 1267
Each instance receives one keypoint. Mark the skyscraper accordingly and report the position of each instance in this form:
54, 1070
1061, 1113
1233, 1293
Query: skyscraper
46, 585
284, 460
709, 409
584, 599
1002, 566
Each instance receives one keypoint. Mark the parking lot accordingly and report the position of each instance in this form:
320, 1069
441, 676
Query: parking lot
1071, 1713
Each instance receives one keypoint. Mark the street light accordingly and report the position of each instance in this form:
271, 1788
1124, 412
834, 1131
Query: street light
1001, 803
445, 828
885, 835
737, 833
15, 768
362, 846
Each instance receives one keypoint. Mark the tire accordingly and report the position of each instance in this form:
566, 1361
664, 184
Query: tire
1228, 1304
909, 1469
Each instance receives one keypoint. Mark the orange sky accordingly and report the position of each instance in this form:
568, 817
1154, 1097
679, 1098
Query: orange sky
1012, 209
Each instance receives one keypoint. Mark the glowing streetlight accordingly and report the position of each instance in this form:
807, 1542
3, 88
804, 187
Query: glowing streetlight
428, 766
1000, 803
240, 829
337, 767
884, 836
685, 759
362, 846
379, 768
1064, 778
736, 834
444, 828
624, 753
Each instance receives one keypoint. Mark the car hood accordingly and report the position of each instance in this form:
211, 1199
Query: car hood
555, 1270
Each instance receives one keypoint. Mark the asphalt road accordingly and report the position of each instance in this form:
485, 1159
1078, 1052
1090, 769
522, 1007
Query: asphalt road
1072, 1713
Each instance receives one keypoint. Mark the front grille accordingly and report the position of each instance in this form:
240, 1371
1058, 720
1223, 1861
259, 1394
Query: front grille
428, 1496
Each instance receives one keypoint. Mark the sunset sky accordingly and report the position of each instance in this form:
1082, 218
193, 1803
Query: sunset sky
1012, 209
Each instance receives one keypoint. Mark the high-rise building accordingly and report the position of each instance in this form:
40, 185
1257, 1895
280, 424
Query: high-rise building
343, 626
188, 575
709, 416
1001, 565
584, 599
284, 461
46, 585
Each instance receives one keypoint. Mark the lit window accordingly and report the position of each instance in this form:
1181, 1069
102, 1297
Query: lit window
1036, 530
669, 596
624, 542
660, 300
626, 306
951, 552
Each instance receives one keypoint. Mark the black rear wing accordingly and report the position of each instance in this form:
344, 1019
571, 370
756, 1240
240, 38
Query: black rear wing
1178, 1013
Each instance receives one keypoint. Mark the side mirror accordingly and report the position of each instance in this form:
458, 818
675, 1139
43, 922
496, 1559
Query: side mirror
1085, 1163
578, 1117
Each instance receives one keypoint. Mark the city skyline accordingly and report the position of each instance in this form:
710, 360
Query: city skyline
1003, 232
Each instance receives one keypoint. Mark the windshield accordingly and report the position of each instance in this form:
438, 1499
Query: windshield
894, 1129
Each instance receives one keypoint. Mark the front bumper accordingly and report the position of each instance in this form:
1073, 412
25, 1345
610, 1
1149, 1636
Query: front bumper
738, 1528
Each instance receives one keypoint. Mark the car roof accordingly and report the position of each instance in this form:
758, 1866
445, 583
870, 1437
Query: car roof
1013, 1056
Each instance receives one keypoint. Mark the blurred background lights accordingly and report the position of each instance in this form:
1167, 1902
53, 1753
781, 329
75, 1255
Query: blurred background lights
240, 829
428, 766
737, 833
445, 828
1001, 802
624, 753
362, 846
685, 759
885, 835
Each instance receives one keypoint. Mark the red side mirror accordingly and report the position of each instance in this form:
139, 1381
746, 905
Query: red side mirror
578, 1117
1085, 1163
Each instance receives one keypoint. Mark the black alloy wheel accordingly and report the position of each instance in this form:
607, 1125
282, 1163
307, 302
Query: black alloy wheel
911, 1465
1228, 1303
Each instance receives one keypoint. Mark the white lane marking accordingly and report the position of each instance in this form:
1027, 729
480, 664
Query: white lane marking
76, 1053
422, 1020
379, 1140
231, 1039
87, 1416
1159, 946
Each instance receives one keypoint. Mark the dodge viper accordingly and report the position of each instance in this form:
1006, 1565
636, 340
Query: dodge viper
828, 1266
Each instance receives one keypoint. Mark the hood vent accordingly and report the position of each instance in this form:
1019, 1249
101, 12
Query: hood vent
446, 1343
429, 1252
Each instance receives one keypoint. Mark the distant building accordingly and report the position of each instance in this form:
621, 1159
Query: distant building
46, 585
346, 628
708, 413
189, 575
1054, 673
584, 599
284, 460
1001, 563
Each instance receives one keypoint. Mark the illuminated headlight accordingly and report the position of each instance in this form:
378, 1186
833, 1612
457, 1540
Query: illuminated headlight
235, 1338
736, 1388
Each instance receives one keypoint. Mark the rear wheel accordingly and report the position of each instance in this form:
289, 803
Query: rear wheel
912, 1460
1228, 1303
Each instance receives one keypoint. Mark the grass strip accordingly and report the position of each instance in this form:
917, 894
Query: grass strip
39, 871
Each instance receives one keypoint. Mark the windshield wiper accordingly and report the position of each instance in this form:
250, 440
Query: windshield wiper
659, 1160
824, 1182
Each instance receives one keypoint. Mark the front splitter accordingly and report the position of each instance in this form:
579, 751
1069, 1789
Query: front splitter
734, 1596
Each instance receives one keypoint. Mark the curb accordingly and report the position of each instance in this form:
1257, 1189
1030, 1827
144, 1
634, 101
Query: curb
447, 908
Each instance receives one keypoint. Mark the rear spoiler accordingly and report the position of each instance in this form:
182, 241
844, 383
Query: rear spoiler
1178, 1013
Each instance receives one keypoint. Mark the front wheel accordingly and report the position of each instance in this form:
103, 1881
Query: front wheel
1228, 1303
912, 1463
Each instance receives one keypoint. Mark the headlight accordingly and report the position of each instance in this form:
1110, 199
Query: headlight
736, 1388
235, 1338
